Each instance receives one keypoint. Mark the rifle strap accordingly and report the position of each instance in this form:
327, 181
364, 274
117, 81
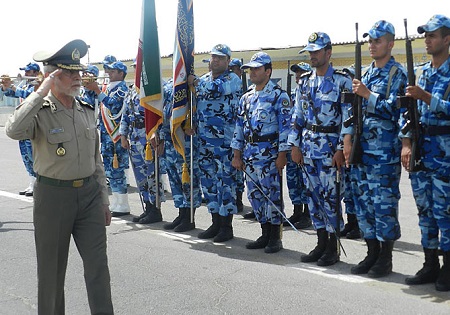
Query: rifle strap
391, 75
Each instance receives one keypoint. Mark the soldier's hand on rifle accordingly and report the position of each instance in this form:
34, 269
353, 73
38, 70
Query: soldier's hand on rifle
418, 93
360, 89
406, 153
281, 161
124, 142
297, 156
338, 159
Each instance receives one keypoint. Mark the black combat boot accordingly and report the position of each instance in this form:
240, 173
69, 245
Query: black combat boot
304, 221
350, 225
239, 204
263, 240
383, 265
176, 221
213, 229
298, 210
274, 245
373, 251
143, 214
331, 254
430, 270
187, 222
317, 252
443, 281
153, 214
249, 215
226, 229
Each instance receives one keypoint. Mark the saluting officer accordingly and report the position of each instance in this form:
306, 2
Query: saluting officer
71, 196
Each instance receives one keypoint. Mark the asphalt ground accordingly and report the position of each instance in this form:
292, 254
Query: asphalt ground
154, 271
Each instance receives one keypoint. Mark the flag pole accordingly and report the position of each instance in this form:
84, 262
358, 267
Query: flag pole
191, 182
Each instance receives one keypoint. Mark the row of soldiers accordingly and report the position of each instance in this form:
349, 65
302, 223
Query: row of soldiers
255, 134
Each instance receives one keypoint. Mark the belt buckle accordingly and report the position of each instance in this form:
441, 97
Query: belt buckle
78, 183
250, 138
314, 128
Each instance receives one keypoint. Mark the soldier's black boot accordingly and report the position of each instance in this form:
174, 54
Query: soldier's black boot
304, 221
187, 222
226, 229
317, 252
443, 281
383, 265
430, 270
350, 225
373, 251
143, 214
249, 215
263, 240
176, 221
153, 214
298, 210
239, 204
274, 245
331, 254
213, 229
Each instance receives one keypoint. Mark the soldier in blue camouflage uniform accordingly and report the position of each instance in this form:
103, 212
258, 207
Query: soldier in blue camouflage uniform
430, 184
133, 138
260, 147
294, 174
180, 191
317, 144
375, 181
89, 76
24, 89
217, 93
115, 157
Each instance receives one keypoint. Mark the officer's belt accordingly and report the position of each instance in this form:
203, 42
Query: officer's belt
138, 124
435, 130
251, 138
324, 129
76, 183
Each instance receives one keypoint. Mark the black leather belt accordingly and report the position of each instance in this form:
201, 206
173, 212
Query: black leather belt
324, 129
435, 130
138, 124
265, 138
76, 183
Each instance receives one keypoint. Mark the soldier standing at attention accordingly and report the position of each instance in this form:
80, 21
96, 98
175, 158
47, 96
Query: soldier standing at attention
217, 93
260, 147
431, 187
71, 197
317, 144
375, 181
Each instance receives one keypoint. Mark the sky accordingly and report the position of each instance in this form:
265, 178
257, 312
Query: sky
112, 26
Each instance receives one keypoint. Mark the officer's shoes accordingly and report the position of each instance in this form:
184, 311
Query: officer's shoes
353, 234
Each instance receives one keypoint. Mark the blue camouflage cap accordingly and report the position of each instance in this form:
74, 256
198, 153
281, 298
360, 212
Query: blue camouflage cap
118, 65
379, 29
258, 60
317, 41
235, 62
109, 59
31, 66
437, 21
301, 66
221, 50
92, 69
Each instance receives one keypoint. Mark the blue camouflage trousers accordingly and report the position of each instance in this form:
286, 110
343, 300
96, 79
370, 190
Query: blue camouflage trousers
26, 151
265, 174
295, 184
218, 178
181, 194
431, 189
320, 179
116, 176
143, 170
376, 194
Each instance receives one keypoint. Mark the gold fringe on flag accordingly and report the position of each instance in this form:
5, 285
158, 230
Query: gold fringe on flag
115, 161
148, 152
185, 174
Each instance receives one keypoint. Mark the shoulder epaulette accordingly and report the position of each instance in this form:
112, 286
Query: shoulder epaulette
86, 104
46, 104
341, 72
308, 73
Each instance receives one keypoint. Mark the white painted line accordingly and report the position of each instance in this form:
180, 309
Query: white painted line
16, 196
329, 273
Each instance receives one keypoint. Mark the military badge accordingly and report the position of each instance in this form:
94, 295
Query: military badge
313, 37
60, 151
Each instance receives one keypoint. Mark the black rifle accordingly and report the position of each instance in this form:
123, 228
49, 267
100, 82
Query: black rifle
411, 114
289, 80
244, 78
356, 101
